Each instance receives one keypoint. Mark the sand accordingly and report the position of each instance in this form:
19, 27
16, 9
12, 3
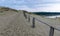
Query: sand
55, 22
15, 24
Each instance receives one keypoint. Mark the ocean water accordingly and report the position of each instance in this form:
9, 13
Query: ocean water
57, 16
48, 14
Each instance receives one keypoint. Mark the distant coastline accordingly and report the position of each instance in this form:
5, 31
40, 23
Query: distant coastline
46, 13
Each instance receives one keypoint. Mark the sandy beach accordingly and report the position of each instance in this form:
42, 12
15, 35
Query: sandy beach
55, 22
15, 24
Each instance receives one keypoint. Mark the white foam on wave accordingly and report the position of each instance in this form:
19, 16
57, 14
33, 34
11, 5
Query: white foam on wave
52, 16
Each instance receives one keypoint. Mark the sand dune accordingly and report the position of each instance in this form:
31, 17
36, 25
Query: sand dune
15, 24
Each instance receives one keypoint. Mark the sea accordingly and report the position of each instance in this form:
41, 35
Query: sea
48, 14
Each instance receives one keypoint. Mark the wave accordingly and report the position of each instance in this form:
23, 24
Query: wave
56, 16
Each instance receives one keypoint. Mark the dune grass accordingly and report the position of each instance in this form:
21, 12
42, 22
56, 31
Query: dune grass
2, 13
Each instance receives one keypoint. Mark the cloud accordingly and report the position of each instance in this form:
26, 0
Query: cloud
32, 5
25, 8
50, 8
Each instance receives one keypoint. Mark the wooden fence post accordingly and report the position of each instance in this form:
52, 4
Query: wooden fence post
25, 15
29, 18
51, 33
33, 22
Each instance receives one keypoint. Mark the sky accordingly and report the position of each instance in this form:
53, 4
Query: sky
33, 5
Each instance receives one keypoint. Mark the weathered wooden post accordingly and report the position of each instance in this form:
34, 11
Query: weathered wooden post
25, 16
24, 12
51, 33
33, 22
29, 18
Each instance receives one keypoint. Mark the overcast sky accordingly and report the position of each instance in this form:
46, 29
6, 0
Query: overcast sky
32, 5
